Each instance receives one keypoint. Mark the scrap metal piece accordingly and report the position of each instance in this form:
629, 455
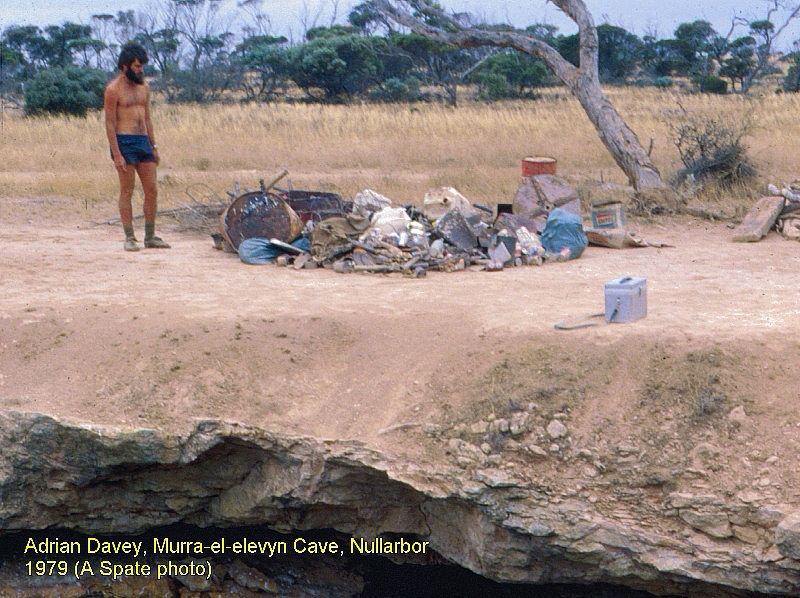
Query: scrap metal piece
500, 255
455, 229
314, 206
273, 182
362, 258
343, 265
286, 246
514, 222
378, 268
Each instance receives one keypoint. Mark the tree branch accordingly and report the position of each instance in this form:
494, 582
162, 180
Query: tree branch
470, 38
583, 81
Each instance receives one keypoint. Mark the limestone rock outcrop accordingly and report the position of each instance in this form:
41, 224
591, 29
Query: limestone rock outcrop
98, 480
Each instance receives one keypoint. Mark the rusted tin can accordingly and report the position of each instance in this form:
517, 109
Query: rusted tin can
533, 165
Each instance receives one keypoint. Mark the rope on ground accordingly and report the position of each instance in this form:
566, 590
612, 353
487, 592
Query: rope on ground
580, 322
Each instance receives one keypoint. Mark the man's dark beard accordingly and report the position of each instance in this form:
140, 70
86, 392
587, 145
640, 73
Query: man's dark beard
136, 78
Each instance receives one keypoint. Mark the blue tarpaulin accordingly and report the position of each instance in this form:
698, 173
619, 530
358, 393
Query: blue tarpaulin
564, 229
259, 251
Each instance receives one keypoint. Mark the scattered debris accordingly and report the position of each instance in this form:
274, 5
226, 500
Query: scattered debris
310, 229
275, 213
368, 201
197, 216
790, 226
540, 194
617, 238
608, 220
791, 192
788, 222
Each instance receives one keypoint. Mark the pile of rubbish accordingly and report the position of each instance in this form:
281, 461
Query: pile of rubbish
311, 229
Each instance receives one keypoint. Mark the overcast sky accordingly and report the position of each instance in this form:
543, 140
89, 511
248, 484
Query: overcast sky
638, 16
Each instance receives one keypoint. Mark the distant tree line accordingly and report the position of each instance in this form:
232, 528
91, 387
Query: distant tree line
195, 56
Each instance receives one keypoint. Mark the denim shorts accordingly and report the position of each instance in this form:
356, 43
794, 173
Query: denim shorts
135, 148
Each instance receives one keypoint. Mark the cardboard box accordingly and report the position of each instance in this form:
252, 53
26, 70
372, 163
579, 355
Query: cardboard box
626, 299
608, 215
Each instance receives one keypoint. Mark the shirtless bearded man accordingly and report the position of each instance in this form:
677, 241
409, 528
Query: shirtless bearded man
132, 142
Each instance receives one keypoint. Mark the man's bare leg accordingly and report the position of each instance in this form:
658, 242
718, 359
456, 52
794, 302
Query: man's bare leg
127, 178
147, 175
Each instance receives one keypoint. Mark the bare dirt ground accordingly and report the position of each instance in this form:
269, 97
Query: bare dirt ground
160, 338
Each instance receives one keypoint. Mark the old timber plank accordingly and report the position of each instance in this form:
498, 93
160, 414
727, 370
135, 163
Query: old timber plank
759, 219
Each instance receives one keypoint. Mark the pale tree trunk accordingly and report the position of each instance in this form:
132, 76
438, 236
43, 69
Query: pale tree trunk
619, 139
583, 82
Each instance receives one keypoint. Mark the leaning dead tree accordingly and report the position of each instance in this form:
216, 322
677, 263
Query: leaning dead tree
582, 81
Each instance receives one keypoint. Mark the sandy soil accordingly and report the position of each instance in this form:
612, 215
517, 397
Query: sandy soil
159, 338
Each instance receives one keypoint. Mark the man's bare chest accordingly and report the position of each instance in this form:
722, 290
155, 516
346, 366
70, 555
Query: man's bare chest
130, 98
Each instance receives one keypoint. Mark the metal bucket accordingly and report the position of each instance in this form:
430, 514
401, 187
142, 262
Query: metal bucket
533, 165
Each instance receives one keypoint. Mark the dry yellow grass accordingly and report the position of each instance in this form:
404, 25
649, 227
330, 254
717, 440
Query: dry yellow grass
398, 150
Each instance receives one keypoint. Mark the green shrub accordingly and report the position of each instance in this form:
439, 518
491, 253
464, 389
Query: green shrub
69, 90
663, 82
395, 89
712, 148
493, 86
712, 84
792, 80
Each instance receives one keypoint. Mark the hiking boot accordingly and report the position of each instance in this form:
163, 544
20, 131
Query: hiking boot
131, 244
156, 243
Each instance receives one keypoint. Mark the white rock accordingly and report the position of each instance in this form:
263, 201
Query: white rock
555, 429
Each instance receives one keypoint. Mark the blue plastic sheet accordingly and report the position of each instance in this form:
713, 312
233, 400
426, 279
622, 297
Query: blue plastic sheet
564, 229
257, 250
